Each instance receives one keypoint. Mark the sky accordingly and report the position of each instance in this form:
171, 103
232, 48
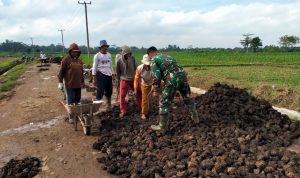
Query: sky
141, 23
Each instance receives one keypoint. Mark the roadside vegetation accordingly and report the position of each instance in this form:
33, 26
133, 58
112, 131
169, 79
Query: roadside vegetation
9, 79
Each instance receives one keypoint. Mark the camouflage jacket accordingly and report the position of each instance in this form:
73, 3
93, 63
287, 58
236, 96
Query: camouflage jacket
165, 68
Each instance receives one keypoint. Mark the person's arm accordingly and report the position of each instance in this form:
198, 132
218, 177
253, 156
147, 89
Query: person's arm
82, 76
118, 70
111, 65
136, 80
156, 76
94, 69
62, 71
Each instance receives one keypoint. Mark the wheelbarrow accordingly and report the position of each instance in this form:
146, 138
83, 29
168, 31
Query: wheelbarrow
83, 113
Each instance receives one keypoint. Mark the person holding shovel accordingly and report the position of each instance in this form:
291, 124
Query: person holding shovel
71, 73
165, 68
125, 71
102, 72
142, 85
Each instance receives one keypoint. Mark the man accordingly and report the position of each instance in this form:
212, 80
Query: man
126, 67
117, 82
43, 57
142, 85
165, 68
102, 72
71, 72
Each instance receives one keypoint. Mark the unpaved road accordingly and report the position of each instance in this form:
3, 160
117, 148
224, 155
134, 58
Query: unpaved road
65, 152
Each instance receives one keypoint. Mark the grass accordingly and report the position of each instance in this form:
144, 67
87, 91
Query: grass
6, 61
234, 58
278, 84
8, 81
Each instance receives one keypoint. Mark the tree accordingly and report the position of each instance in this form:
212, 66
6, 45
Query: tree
288, 41
246, 41
255, 43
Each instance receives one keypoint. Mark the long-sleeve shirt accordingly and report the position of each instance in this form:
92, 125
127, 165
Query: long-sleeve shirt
143, 76
164, 67
71, 71
126, 69
103, 64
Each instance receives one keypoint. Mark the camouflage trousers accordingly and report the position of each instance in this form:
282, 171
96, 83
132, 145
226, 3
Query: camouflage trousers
169, 90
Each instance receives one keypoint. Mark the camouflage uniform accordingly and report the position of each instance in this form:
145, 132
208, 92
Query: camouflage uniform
165, 68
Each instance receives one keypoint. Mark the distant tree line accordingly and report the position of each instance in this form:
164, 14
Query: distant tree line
249, 43
286, 42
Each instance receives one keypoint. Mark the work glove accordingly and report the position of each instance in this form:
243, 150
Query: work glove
60, 86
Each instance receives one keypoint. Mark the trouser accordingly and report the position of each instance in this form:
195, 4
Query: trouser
169, 91
104, 85
73, 95
145, 99
124, 88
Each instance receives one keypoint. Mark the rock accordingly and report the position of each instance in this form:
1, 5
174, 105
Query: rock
260, 164
171, 164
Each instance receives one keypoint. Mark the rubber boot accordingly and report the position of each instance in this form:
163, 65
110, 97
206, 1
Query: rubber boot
162, 126
194, 114
108, 102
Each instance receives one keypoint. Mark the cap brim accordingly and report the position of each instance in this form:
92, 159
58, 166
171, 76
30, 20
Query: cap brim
103, 45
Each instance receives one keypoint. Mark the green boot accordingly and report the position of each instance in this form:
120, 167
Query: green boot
162, 126
194, 114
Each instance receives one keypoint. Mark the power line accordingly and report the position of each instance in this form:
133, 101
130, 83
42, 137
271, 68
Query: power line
62, 39
87, 28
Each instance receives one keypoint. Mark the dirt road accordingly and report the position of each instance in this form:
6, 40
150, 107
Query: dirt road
33, 124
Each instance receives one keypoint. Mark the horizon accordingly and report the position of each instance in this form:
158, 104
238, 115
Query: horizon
205, 24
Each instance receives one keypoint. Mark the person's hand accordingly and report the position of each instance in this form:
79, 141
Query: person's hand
150, 92
94, 82
135, 91
113, 77
156, 94
60, 86
83, 85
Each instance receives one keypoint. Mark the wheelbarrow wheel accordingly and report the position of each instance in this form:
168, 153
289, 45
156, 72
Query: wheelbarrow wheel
87, 128
76, 122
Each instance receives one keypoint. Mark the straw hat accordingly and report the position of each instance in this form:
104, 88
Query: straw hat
146, 60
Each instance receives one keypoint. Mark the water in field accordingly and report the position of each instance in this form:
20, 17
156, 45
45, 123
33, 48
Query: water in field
32, 126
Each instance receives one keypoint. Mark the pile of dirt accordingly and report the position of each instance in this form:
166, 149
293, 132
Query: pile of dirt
27, 167
238, 136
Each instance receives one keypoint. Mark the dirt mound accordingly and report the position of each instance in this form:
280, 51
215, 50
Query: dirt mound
27, 167
238, 136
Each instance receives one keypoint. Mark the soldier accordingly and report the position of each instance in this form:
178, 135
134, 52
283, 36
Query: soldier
165, 68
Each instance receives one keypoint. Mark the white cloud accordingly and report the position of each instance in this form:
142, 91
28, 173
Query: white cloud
144, 23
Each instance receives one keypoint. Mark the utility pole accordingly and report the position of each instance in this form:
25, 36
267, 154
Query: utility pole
87, 28
31, 38
62, 39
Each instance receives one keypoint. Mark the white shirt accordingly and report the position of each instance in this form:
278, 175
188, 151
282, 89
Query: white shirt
43, 56
103, 64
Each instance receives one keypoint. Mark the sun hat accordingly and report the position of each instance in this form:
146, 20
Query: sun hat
103, 43
146, 60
